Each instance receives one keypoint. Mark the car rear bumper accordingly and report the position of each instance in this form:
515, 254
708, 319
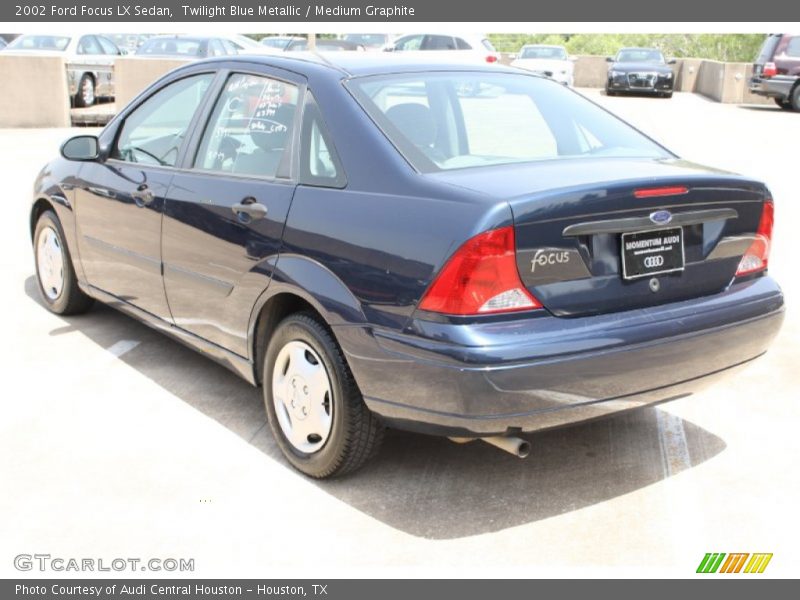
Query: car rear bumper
539, 373
772, 87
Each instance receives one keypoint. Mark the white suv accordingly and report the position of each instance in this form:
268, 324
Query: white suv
469, 47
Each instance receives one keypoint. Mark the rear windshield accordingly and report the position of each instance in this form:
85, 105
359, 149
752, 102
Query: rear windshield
51, 43
768, 49
544, 53
456, 120
367, 39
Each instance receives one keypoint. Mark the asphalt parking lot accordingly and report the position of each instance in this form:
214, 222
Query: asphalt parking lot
117, 442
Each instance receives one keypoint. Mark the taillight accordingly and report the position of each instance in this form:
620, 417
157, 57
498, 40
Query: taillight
757, 255
769, 70
491, 58
480, 278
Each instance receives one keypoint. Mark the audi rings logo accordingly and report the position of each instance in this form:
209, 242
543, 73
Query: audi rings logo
652, 262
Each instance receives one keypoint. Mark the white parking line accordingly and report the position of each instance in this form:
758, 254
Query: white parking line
674, 449
121, 347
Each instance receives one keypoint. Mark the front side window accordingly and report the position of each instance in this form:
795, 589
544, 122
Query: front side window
154, 132
411, 42
88, 44
439, 42
442, 121
250, 129
108, 46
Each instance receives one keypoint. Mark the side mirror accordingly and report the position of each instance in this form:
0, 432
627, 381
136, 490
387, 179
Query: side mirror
81, 147
672, 61
389, 49
609, 59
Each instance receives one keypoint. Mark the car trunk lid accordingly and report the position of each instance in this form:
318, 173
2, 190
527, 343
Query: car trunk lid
571, 219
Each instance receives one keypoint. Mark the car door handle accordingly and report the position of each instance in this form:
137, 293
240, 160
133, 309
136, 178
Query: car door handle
142, 196
248, 209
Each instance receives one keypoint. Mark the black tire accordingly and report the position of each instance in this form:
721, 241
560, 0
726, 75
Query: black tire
86, 95
796, 98
355, 435
610, 93
668, 95
71, 300
783, 103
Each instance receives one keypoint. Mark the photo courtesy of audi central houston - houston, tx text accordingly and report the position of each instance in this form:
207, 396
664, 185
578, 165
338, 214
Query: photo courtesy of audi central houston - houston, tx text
350, 291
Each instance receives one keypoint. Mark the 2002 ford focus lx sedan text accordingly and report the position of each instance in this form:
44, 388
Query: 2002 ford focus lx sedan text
464, 251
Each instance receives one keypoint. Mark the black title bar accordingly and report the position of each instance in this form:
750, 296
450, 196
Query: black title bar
401, 11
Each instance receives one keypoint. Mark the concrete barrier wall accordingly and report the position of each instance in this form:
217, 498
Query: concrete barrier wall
34, 91
135, 73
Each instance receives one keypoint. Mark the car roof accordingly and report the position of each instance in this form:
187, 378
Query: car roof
361, 64
640, 48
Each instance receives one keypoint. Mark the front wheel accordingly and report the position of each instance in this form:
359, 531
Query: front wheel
314, 407
55, 274
784, 103
86, 92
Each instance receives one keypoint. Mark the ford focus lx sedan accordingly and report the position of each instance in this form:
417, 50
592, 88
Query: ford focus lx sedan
473, 252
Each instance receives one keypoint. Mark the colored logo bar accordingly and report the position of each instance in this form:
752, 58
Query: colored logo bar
716, 562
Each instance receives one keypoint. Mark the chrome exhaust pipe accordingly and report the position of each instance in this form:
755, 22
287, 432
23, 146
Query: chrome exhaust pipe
513, 445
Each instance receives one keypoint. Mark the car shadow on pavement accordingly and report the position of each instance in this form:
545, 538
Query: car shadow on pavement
428, 486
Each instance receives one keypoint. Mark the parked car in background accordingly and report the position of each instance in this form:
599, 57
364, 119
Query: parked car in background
279, 42
474, 48
128, 42
370, 41
324, 45
89, 60
374, 247
243, 43
550, 61
186, 46
640, 70
776, 72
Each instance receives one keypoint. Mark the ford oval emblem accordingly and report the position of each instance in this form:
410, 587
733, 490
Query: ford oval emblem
661, 217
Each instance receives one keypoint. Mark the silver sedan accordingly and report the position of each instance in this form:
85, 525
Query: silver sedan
89, 60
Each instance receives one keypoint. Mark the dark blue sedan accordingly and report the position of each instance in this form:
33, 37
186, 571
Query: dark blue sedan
459, 250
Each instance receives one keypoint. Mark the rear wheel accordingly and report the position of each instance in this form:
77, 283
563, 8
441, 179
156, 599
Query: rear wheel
314, 407
796, 97
55, 274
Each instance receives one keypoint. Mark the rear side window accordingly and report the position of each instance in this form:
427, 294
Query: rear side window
462, 45
793, 49
319, 163
250, 129
154, 132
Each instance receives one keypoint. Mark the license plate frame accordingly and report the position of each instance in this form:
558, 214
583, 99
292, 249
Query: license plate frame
671, 252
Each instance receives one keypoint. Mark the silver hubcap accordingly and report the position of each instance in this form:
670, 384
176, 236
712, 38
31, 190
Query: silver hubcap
301, 393
50, 262
87, 91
